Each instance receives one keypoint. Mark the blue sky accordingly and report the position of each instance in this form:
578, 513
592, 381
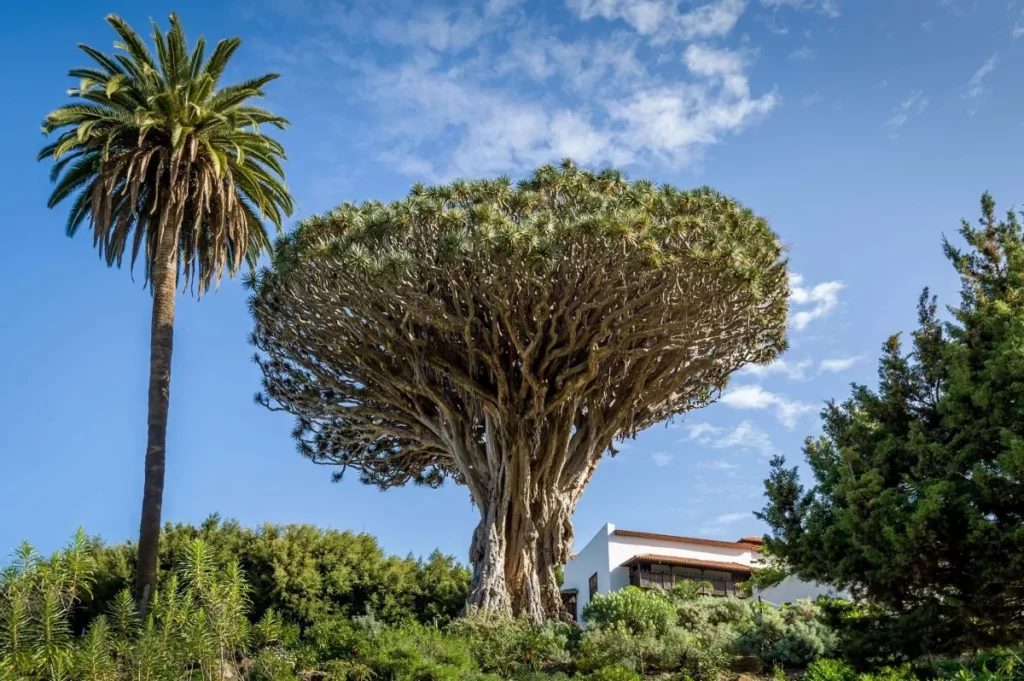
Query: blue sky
863, 130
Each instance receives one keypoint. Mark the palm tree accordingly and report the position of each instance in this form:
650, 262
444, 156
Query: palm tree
161, 161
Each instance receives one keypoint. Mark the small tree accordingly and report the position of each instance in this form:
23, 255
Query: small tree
918, 501
506, 337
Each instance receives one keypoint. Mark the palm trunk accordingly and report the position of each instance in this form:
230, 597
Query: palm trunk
164, 287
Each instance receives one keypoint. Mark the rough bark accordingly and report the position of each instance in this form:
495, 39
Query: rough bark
164, 283
525, 529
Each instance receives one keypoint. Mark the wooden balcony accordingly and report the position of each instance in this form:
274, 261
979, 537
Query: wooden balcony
646, 579
650, 571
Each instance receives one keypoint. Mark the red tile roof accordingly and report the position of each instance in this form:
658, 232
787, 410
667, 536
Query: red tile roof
745, 544
689, 562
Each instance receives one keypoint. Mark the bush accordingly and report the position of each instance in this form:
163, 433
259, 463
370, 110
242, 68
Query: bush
306, 574
637, 610
794, 635
509, 647
197, 624
614, 673
617, 645
829, 670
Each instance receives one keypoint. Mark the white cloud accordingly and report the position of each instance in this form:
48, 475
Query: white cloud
744, 437
822, 299
489, 88
976, 85
661, 20
702, 431
796, 371
729, 518
829, 8
926, 26
1018, 27
440, 29
747, 437
811, 99
495, 7
718, 465
805, 53
915, 102
787, 411
722, 522
834, 366
661, 458
624, 115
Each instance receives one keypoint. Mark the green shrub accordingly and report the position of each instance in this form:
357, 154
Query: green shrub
902, 673
829, 670
197, 625
616, 644
614, 673
415, 651
794, 635
305, 573
703, 613
635, 609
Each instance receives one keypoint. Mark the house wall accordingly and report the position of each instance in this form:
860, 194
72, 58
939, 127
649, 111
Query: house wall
606, 552
592, 558
791, 589
621, 549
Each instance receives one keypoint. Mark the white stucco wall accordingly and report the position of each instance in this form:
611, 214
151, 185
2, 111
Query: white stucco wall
592, 558
791, 589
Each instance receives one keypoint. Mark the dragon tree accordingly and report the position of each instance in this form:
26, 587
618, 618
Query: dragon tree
506, 337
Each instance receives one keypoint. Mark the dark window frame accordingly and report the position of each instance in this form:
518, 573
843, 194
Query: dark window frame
592, 583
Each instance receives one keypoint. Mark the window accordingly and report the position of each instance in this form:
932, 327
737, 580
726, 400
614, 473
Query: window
593, 586
569, 601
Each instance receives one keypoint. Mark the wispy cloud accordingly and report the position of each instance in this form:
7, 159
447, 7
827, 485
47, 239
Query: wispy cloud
976, 85
661, 20
811, 99
702, 432
829, 8
1018, 27
805, 53
461, 96
747, 397
915, 102
661, 458
718, 465
722, 522
746, 436
795, 371
821, 299
834, 366
927, 26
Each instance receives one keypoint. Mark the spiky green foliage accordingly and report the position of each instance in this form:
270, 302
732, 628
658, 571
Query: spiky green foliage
918, 494
156, 142
197, 626
37, 597
507, 336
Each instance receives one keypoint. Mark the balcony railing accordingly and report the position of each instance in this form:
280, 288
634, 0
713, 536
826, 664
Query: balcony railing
666, 580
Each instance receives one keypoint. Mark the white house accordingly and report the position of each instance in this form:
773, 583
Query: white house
615, 559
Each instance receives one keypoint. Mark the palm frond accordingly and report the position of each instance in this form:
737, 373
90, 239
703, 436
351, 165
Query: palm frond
149, 134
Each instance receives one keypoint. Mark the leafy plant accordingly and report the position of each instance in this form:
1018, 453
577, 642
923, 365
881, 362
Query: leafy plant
638, 610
